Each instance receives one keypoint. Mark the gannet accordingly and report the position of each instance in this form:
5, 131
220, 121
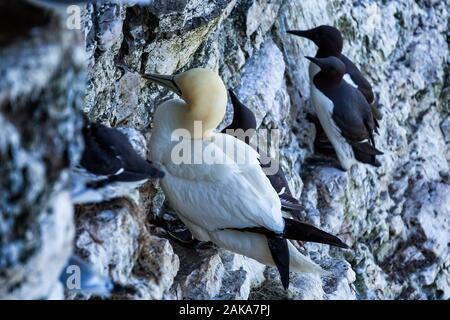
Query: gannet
225, 197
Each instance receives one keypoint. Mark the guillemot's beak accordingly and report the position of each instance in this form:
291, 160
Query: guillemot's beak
316, 61
164, 80
234, 100
301, 33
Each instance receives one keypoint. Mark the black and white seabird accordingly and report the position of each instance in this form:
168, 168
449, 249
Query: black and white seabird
329, 42
244, 119
344, 114
109, 167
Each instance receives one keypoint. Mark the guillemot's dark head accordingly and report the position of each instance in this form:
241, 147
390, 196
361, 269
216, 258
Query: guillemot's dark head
243, 119
328, 39
331, 66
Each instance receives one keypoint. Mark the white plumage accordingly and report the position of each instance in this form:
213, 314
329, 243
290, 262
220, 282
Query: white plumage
349, 80
212, 196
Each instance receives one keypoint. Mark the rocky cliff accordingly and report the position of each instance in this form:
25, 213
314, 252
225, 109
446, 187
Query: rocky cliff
396, 218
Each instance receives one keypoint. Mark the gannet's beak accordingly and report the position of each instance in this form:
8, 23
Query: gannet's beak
316, 61
165, 81
301, 33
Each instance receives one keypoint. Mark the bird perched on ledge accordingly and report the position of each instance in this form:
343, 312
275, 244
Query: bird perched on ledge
244, 119
220, 191
109, 166
330, 43
344, 114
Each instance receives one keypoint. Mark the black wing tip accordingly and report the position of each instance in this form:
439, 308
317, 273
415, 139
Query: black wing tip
285, 281
367, 158
334, 241
373, 162
279, 250
301, 231
365, 148
376, 152
339, 243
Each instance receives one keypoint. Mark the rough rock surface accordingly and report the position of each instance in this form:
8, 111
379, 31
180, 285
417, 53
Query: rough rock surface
396, 218
41, 86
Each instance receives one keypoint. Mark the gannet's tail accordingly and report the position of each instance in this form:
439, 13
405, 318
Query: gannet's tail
256, 246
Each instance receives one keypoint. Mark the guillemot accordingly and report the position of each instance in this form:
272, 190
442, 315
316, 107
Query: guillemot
221, 192
109, 166
344, 114
329, 42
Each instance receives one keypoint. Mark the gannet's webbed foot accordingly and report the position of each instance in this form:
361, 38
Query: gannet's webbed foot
178, 232
185, 239
182, 237
203, 245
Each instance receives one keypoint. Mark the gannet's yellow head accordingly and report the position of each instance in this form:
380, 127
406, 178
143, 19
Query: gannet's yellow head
205, 95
